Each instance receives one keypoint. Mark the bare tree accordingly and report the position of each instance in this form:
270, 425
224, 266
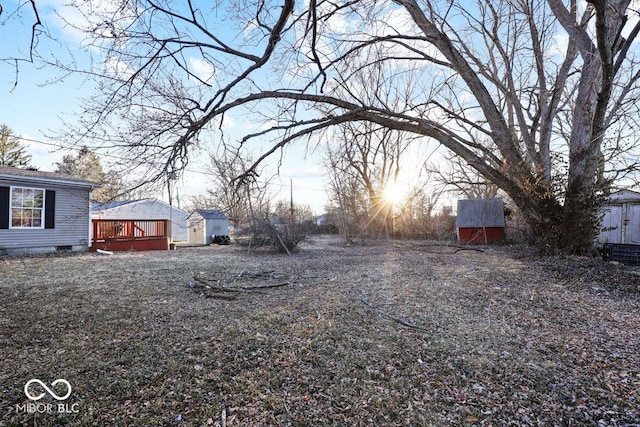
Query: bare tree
347, 200
421, 216
369, 156
241, 197
493, 81
34, 28
456, 177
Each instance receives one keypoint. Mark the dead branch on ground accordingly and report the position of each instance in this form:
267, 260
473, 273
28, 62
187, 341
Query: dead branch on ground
209, 290
395, 319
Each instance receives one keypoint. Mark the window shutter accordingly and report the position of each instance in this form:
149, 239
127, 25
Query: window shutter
4, 207
50, 209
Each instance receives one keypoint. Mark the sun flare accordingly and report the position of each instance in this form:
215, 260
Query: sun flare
393, 194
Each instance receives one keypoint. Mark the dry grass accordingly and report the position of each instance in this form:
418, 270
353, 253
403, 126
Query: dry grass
407, 333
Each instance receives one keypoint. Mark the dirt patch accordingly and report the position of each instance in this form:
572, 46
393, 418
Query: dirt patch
387, 333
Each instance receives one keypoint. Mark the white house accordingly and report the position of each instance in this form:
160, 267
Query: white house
621, 218
145, 209
43, 211
204, 224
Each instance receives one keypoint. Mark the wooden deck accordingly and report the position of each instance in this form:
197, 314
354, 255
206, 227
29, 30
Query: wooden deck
130, 235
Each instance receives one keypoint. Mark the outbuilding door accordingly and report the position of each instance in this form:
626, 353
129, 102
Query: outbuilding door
196, 233
631, 224
611, 227
621, 224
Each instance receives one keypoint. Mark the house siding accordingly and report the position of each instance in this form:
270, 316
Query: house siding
217, 227
70, 228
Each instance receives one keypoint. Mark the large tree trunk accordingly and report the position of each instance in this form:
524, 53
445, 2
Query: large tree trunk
556, 227
568, 222
579, 221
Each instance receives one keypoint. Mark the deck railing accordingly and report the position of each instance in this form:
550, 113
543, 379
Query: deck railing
117, 234
107, 229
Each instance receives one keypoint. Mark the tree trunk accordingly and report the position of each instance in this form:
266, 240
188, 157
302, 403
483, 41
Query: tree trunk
570, 227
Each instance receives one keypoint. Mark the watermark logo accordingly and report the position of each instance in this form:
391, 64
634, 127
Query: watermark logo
47, 389
34, 406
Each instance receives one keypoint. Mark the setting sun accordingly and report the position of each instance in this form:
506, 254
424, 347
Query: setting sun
393, 194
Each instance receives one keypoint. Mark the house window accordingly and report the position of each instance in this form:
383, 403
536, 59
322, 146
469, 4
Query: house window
27, 207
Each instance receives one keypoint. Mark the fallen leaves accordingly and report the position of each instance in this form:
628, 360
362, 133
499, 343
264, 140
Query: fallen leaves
403, 334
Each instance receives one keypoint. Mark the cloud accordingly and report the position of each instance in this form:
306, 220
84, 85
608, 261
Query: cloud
204, 70
44, 154
75, 20
116, 67
559, 46
228, 122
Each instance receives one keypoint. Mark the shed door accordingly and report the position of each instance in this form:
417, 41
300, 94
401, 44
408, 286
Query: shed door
611, 227
632, 229
196, 233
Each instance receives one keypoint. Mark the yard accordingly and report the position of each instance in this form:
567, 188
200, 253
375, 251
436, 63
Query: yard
388, 333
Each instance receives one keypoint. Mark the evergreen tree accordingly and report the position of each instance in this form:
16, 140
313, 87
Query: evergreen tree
12, 153
86, 165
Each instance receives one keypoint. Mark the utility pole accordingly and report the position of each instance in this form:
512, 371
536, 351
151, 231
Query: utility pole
171, 176
292, 219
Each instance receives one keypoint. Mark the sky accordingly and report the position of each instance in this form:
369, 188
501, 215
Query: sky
35, 104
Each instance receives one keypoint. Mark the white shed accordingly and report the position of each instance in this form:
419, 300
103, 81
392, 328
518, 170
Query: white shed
621, 218
205, 223
145, 209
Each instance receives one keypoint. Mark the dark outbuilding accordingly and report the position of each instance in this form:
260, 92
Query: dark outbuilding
480, 221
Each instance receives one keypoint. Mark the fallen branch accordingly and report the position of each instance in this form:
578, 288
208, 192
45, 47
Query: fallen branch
218, 292
463, 248
282, 244
253, 288
220, 296
395, 319
457, 249
212, 288
423, 247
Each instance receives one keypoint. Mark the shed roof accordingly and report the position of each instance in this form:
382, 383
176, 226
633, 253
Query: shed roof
624, 196
210, 214
36, 176
97, 207
480, 213
109, 205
